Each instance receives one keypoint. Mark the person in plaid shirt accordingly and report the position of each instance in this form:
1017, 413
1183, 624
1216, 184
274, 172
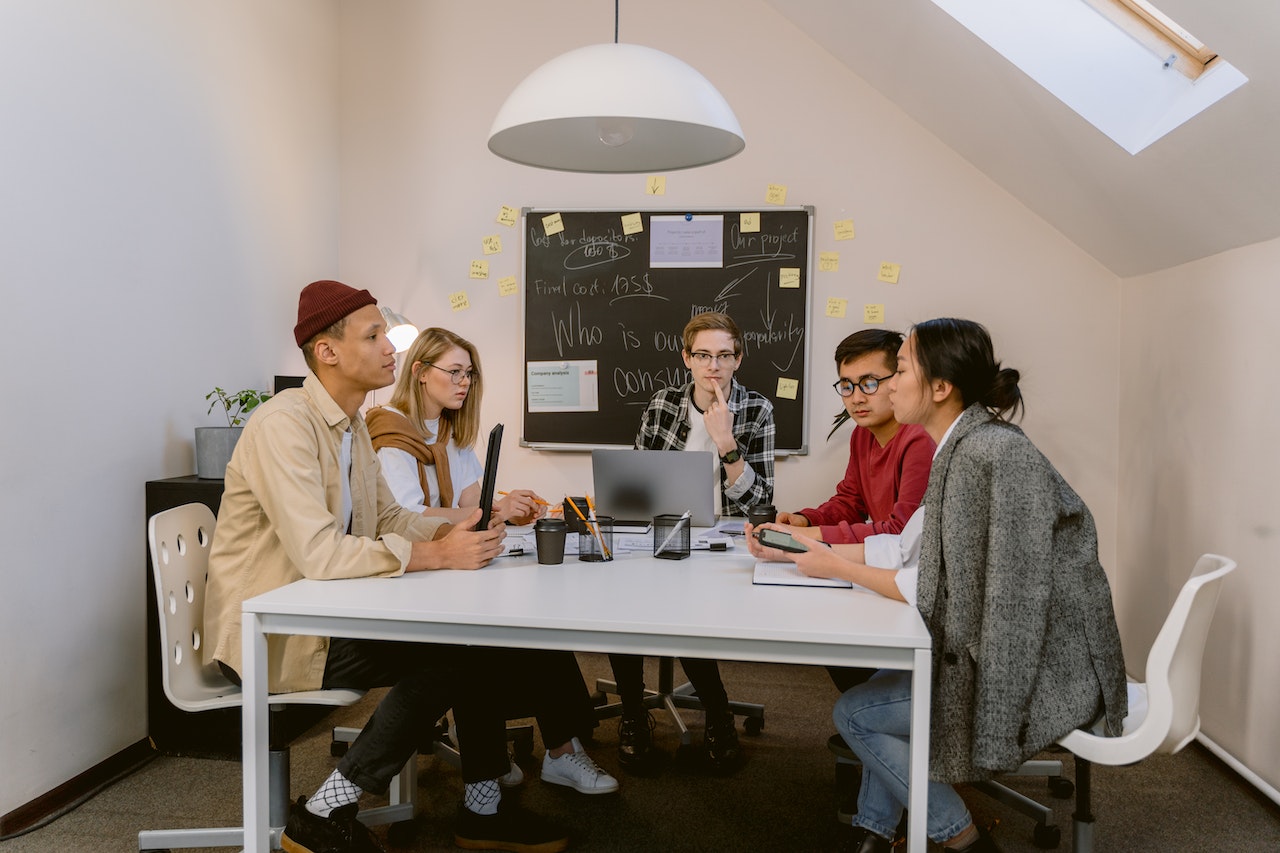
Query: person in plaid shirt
712, 412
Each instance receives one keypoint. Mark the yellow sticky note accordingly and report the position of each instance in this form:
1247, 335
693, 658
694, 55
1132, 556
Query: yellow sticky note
632, 224
492, 244
749, 223
889, 272
836, 307
788, 388
789, 277
552, 224
776, 194
507, 286
873, 313
508, 216
479, 269
844, 229
828, 261
655, 185
458, 301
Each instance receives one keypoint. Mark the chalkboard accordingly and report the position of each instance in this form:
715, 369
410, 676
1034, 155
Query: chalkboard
605, 303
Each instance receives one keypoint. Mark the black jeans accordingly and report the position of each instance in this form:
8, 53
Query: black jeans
484, 686
704, 675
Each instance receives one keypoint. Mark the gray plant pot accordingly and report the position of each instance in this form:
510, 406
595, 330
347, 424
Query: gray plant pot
213, 450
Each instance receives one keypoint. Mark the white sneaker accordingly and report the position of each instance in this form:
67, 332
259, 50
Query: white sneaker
576, 770
515, 776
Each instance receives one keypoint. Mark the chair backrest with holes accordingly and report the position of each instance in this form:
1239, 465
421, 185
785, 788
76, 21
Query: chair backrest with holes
180, 539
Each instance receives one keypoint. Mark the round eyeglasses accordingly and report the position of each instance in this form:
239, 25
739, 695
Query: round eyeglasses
457, 375
868, 384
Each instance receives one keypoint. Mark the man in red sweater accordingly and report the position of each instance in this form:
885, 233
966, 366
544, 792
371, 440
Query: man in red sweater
888, 462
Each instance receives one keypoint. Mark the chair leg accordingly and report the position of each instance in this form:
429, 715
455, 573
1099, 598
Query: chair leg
1082, 819
669, 697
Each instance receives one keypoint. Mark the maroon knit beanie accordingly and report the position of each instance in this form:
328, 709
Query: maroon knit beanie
323, 303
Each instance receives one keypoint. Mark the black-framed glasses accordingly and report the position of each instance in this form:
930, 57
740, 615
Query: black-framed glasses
457, 374
868, 384
702, 359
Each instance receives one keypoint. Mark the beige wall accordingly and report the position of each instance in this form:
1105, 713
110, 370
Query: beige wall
170, 175
1198, 473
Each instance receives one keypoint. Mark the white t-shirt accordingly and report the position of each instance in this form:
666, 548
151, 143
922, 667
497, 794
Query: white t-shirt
400, 469
700, 439
901, 551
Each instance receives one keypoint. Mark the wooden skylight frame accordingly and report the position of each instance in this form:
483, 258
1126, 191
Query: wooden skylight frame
1159, 33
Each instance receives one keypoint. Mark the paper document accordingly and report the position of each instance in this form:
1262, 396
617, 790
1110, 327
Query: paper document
786, 574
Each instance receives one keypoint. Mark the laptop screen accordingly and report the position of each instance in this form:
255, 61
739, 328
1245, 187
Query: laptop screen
639, 484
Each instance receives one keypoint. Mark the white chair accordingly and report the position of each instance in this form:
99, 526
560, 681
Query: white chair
179, 539
1164, 713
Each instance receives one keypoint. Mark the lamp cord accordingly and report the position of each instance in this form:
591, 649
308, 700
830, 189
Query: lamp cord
615, 20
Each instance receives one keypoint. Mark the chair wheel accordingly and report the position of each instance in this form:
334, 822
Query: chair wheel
338, 748
1046, 837
753, 726
1061, 788
402, 833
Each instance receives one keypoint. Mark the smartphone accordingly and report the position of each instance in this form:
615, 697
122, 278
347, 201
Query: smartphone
778, 539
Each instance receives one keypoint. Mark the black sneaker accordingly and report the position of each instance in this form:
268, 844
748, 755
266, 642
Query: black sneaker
720, 744
636, 752
510, 829
340, 832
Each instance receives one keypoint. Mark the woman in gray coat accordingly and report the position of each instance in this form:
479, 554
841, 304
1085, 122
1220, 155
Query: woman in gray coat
1025, 645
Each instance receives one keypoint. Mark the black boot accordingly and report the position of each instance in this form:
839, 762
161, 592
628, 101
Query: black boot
720, 744
635, 743
984, 844
858, 839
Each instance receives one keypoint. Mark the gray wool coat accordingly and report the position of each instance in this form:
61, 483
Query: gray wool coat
1025, 644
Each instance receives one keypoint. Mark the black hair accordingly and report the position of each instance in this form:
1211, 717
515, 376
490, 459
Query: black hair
960, 352
858, 344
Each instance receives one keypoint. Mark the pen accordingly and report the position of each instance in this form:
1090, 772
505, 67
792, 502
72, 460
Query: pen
590, 529
672, 535
539, 501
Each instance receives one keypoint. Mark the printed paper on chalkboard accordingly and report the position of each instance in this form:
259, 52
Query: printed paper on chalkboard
563, 386
688, 242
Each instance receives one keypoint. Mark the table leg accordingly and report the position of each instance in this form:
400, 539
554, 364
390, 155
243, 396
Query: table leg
255, 735
918, 792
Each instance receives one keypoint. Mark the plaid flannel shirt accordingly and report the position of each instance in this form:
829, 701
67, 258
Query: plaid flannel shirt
665, 426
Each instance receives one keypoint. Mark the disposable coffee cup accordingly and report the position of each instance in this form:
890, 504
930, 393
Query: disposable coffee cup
549, 533
762, 514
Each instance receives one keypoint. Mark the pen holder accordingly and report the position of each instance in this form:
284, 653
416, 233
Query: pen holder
596, 546
571, 518
670, 537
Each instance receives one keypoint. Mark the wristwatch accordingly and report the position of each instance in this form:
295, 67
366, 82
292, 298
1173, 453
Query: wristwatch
731, 457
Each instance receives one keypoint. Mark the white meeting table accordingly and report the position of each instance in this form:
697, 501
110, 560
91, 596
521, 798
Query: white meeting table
704, 606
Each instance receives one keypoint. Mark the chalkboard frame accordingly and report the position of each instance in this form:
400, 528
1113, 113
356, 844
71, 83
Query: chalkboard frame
807, 263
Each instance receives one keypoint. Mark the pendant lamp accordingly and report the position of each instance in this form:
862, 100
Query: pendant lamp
615, 108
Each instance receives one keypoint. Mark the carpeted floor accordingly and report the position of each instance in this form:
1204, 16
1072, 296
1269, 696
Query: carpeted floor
784, 799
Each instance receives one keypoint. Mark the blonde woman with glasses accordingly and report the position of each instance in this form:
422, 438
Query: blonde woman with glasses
426, 435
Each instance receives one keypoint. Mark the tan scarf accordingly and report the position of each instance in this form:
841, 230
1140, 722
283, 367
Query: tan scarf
389, 428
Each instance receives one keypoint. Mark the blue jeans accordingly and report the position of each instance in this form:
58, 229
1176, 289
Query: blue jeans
874, 718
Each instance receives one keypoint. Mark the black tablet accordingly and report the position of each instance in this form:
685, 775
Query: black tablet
490, 481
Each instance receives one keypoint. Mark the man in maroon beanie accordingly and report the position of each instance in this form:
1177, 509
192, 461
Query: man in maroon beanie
305, 497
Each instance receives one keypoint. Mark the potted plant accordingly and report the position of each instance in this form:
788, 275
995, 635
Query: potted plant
215, 443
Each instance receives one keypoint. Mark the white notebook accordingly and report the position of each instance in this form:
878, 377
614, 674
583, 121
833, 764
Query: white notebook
786, 574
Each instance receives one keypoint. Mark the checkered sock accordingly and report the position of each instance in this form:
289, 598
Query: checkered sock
482, 797
336, 792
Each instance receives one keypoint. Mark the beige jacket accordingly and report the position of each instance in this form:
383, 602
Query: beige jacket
280, 521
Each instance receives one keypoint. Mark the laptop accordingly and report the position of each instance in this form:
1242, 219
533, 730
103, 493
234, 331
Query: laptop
636, 485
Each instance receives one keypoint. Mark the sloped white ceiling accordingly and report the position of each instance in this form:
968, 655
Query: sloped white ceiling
1210, 185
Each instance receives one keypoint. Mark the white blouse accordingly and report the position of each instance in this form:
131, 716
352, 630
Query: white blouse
400, 469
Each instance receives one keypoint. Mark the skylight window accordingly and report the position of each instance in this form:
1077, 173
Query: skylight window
1122, 65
